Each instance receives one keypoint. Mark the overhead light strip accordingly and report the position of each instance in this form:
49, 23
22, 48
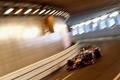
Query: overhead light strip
15, 8
35, 11
9, 11
42, 11
28, 11
17, 12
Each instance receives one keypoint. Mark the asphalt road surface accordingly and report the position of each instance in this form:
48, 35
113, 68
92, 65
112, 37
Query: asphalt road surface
106, 68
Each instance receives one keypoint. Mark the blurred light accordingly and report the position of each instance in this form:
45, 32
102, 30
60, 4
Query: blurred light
17, 5
18, 32
35, 5
104, 17
52, 12
47, 11
62, 13
18, 11
81, 24
73, 27
35, 11
58, 27
114, 14
65, 14
3, 33
9, 11
29, 10
58, 13
96, 19
42, 11
94, 25
10, 32
55, 12
88, 22
26, 5
31, 33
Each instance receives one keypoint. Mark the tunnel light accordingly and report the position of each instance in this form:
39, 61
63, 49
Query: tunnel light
42, 11
17, 12
73, 27
62, 13
59, 13
66, 15
55, 12
81, 24
96, 19
114, 14
9, 11
94, 25
29, 10
52, 12
88, 22
35, 11
47, 11
104, 17
34, 5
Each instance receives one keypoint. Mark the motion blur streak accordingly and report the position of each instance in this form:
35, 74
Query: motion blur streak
18, 32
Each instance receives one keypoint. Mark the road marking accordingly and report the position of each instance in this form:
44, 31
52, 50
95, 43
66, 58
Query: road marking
67, 76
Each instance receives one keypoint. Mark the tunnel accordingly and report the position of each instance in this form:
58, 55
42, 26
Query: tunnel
38, 37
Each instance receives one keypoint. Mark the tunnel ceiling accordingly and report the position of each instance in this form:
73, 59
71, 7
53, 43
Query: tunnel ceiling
77, 8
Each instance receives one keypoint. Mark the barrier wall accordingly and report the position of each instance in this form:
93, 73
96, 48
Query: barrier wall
22, 42
44, 67
96, 34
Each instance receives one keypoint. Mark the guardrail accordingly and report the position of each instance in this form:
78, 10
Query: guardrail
44, 67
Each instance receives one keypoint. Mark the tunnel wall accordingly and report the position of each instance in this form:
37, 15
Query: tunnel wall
61, 27
22, 43
101, 33
43, 67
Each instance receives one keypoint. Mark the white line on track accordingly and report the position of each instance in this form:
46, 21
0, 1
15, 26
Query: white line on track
67, 76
